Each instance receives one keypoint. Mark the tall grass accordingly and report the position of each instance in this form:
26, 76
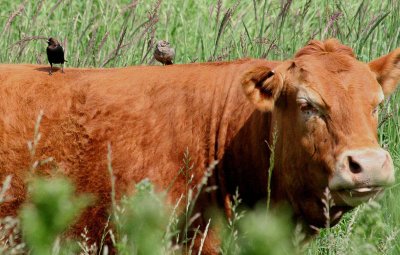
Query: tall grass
111, 33
119, 33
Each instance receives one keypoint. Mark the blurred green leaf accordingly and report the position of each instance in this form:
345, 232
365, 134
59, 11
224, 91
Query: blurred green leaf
263, 233
52, 207
143, 222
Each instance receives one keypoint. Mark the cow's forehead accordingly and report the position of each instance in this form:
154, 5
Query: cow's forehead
336, 78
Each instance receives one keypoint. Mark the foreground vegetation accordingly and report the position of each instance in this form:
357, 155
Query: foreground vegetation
111, 33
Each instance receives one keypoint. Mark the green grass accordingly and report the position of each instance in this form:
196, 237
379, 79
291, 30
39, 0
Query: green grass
92, 30
112, 33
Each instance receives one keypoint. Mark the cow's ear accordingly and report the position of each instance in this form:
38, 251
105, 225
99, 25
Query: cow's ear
387, 70
262, 87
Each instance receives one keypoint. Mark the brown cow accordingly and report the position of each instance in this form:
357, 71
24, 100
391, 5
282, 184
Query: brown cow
323, 104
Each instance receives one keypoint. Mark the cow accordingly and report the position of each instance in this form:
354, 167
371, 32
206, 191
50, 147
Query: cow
319, 112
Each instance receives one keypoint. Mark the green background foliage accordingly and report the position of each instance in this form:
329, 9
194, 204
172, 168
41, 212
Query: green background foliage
199, 30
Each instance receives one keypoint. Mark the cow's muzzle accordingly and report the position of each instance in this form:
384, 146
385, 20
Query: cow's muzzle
360, 175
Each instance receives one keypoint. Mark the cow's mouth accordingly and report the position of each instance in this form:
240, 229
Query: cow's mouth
355, 196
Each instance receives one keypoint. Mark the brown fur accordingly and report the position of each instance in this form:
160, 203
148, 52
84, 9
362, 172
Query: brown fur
328, 46
387, 69
152, 115
334, 56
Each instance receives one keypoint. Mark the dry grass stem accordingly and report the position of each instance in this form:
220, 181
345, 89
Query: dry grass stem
13, 15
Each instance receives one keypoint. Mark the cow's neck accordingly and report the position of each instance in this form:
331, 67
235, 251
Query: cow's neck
238, 136
246, 160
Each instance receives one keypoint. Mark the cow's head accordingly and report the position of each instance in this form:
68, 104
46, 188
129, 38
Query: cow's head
324, 104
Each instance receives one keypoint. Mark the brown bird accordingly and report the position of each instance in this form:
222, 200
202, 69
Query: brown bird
55, 54
163, 53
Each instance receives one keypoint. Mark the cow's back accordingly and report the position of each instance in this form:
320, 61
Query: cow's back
149, 115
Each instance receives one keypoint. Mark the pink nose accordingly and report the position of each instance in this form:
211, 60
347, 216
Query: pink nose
363, 168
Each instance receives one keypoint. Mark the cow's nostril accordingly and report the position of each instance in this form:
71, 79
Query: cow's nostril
355, 168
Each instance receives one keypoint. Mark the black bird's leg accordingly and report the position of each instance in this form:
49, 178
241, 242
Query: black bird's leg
51, 68
62, 67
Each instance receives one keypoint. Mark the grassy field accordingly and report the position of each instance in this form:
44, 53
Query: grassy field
111, 33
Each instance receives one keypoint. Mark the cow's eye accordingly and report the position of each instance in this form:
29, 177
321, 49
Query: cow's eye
375, 111
306, 108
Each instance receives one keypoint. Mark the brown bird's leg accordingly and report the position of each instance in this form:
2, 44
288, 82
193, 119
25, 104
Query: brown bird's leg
62, 67
51, 68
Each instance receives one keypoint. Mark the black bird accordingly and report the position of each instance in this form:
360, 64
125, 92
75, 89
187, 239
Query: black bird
55, 54
164, 53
